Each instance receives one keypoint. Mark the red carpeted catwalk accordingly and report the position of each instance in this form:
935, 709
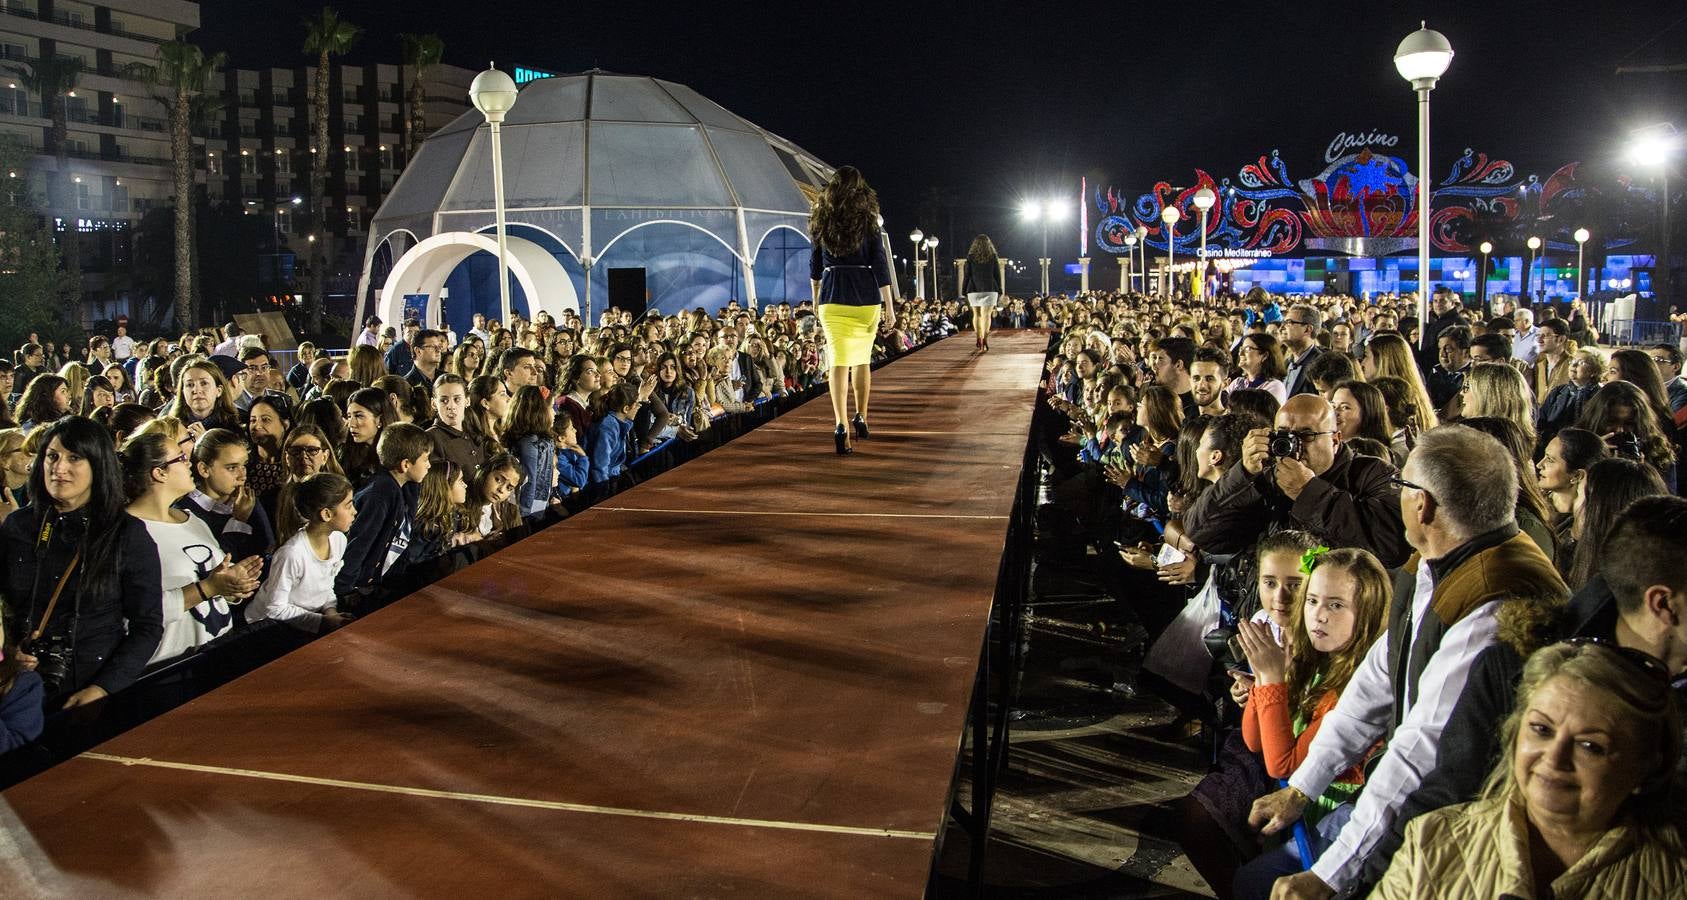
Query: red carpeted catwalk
748, 676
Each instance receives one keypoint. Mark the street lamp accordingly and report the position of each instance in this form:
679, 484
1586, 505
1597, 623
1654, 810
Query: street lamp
493, 93
1653, 147
1482, 286
914, 264
1170, 215
1204, 200
1534, 243
1422, 58
1044, 212
931, 243
1130, 260
1142, 248
1581, 244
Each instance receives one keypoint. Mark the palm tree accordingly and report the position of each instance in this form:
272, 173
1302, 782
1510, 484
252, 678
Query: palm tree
53, 78
326, 34
181, 81
421, 51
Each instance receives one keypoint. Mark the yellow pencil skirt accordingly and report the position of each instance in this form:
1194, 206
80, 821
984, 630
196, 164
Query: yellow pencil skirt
849, 333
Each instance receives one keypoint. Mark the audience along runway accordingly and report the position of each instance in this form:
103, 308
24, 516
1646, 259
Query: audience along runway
748, 676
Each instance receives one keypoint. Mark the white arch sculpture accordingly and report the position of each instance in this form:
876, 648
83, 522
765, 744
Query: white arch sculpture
424, 268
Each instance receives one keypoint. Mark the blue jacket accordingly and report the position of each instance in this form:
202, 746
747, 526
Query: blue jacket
21, 719
607, 447
385, 512
538, 457
572, 470
853, 279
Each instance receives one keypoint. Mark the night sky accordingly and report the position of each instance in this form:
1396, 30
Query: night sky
956, 112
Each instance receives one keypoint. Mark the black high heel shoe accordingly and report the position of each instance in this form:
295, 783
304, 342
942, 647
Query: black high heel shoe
842, 438
860, 426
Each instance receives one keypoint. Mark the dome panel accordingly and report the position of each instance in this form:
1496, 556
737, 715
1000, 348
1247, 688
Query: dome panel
705, 110
421, 188
548, 100
653, 166
754, 171
618, 98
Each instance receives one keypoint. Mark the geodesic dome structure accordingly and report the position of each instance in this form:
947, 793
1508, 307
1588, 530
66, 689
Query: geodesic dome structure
601, 172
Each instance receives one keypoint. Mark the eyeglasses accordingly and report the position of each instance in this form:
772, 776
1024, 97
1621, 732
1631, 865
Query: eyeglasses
304, 452
1397, 481
1646, 662
172, 461
1663, 360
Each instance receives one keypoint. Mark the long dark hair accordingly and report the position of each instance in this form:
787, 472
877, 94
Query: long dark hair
1612, 484
36, 404
106, 515
1600, 408
846, 213
1638, 369
982, 251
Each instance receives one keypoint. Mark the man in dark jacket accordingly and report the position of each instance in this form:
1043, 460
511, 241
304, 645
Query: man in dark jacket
1443, 314
1639, 601
1300, 347
386, 510
1348, 500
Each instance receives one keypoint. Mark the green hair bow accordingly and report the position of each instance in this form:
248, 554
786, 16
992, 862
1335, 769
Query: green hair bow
1309, 559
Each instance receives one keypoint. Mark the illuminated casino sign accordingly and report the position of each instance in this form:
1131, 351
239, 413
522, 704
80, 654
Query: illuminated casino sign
523, 74
1363, 202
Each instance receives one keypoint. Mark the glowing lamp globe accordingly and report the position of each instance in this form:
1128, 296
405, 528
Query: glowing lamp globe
1423, 57
493, 93
1204, 199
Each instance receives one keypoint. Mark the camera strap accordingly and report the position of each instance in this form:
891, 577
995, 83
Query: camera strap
54, 600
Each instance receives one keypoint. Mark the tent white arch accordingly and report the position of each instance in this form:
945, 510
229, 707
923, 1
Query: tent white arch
424, 268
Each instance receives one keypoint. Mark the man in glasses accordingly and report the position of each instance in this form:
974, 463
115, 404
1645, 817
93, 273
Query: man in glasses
1458, 497
1637, 603
1300, 337
1668, 358
427, 351
1447, 378
1322, 487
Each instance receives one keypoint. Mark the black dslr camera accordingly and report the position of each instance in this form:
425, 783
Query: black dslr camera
52, 653
1285, 444
1626, 445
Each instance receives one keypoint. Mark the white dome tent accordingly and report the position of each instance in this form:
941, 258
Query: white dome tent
601, 171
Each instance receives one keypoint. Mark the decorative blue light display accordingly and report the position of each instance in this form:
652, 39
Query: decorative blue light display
523, 74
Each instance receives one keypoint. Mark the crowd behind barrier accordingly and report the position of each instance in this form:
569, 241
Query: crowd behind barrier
179, 511
1421, 586
1427, 598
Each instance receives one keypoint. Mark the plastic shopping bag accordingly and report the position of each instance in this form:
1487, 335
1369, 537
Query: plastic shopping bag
1180, 655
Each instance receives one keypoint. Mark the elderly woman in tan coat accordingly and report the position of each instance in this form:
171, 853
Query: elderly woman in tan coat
1582, 803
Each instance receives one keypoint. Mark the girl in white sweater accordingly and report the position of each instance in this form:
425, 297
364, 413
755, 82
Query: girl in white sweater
300, 587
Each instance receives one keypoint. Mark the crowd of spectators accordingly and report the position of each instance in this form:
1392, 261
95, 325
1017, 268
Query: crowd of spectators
1421, 584
175, 499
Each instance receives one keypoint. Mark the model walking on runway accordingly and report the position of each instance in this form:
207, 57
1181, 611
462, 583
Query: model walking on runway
983, 286
851, 279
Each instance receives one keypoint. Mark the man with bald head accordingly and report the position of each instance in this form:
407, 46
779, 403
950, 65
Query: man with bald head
1321, 487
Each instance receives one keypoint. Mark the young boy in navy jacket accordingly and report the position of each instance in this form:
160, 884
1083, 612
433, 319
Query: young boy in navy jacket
386, 511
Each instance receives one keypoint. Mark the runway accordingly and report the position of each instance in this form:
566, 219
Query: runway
748, 676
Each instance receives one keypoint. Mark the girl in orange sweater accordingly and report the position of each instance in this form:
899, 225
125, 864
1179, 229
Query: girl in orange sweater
1342, 614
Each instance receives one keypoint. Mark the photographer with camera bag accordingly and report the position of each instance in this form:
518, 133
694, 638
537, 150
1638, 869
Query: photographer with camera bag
1300, 476
82, 578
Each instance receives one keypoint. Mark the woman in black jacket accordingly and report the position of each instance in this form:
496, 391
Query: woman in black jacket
81, 537
983, 286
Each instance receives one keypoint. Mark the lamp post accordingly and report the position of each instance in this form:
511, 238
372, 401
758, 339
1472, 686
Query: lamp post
1422, 58
1581, 244
914, 264
493, 93
1204, 200
1170, 216
931, 244
1534, 244
1142, 251
1653, 146
1130, 261
1482, 287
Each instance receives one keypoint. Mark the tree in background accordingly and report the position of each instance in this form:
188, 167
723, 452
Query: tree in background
421, 52
326, 36
40, 295
181, 80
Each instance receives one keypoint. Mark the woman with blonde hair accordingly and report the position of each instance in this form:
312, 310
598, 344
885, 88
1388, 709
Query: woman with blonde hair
1583, 800
1498, 389
982, 286
1387, 355
850, 276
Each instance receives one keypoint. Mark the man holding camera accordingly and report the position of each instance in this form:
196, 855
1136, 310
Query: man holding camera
1298, 475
